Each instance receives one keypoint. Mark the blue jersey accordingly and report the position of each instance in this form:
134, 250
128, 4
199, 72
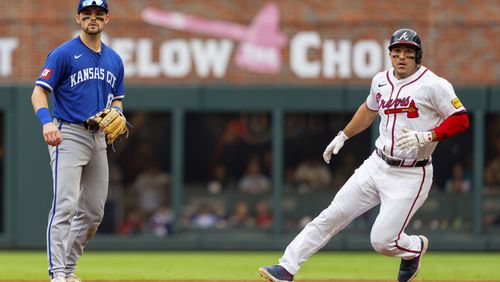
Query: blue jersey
82, 80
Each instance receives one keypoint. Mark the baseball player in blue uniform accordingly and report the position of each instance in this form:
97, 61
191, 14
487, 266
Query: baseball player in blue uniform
85, 77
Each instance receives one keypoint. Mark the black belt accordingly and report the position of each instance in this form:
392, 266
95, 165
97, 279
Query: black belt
93, 128
402, 163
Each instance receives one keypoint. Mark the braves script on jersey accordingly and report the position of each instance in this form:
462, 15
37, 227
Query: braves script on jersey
83, 81
419, 102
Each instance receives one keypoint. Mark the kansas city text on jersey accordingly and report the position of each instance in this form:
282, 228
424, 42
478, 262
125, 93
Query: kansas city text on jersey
93, 73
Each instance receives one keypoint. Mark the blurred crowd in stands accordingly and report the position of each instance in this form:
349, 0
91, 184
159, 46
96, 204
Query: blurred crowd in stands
226, 155
228, 173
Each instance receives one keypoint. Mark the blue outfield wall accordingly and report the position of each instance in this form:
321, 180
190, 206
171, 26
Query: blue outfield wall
27, 182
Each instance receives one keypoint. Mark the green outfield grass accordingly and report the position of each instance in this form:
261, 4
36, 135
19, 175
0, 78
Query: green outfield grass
96, 265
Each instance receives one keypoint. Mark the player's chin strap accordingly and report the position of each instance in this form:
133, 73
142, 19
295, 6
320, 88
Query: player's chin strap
119, 139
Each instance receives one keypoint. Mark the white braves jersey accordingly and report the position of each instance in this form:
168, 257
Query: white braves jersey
419, 102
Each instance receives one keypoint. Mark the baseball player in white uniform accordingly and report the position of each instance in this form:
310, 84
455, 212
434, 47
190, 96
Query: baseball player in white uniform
417, 109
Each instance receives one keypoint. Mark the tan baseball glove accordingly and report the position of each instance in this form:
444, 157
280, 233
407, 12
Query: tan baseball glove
111, 121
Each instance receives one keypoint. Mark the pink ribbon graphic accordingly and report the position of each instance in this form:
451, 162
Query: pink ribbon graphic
261, 42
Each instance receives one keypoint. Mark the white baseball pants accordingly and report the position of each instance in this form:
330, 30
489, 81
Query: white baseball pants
400, 191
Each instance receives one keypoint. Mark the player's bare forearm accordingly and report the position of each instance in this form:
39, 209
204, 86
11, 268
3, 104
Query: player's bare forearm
39, 98
117, 103
50, 133
361, 120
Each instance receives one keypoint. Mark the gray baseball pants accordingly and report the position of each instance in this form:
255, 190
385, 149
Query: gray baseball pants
80, 186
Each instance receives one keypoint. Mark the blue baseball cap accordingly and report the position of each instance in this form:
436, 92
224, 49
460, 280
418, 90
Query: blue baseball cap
92, 3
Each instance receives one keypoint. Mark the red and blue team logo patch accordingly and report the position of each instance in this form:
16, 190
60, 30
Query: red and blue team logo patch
46, 73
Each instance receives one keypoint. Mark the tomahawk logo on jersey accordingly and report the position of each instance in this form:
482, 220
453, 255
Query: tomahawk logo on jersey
411, 110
